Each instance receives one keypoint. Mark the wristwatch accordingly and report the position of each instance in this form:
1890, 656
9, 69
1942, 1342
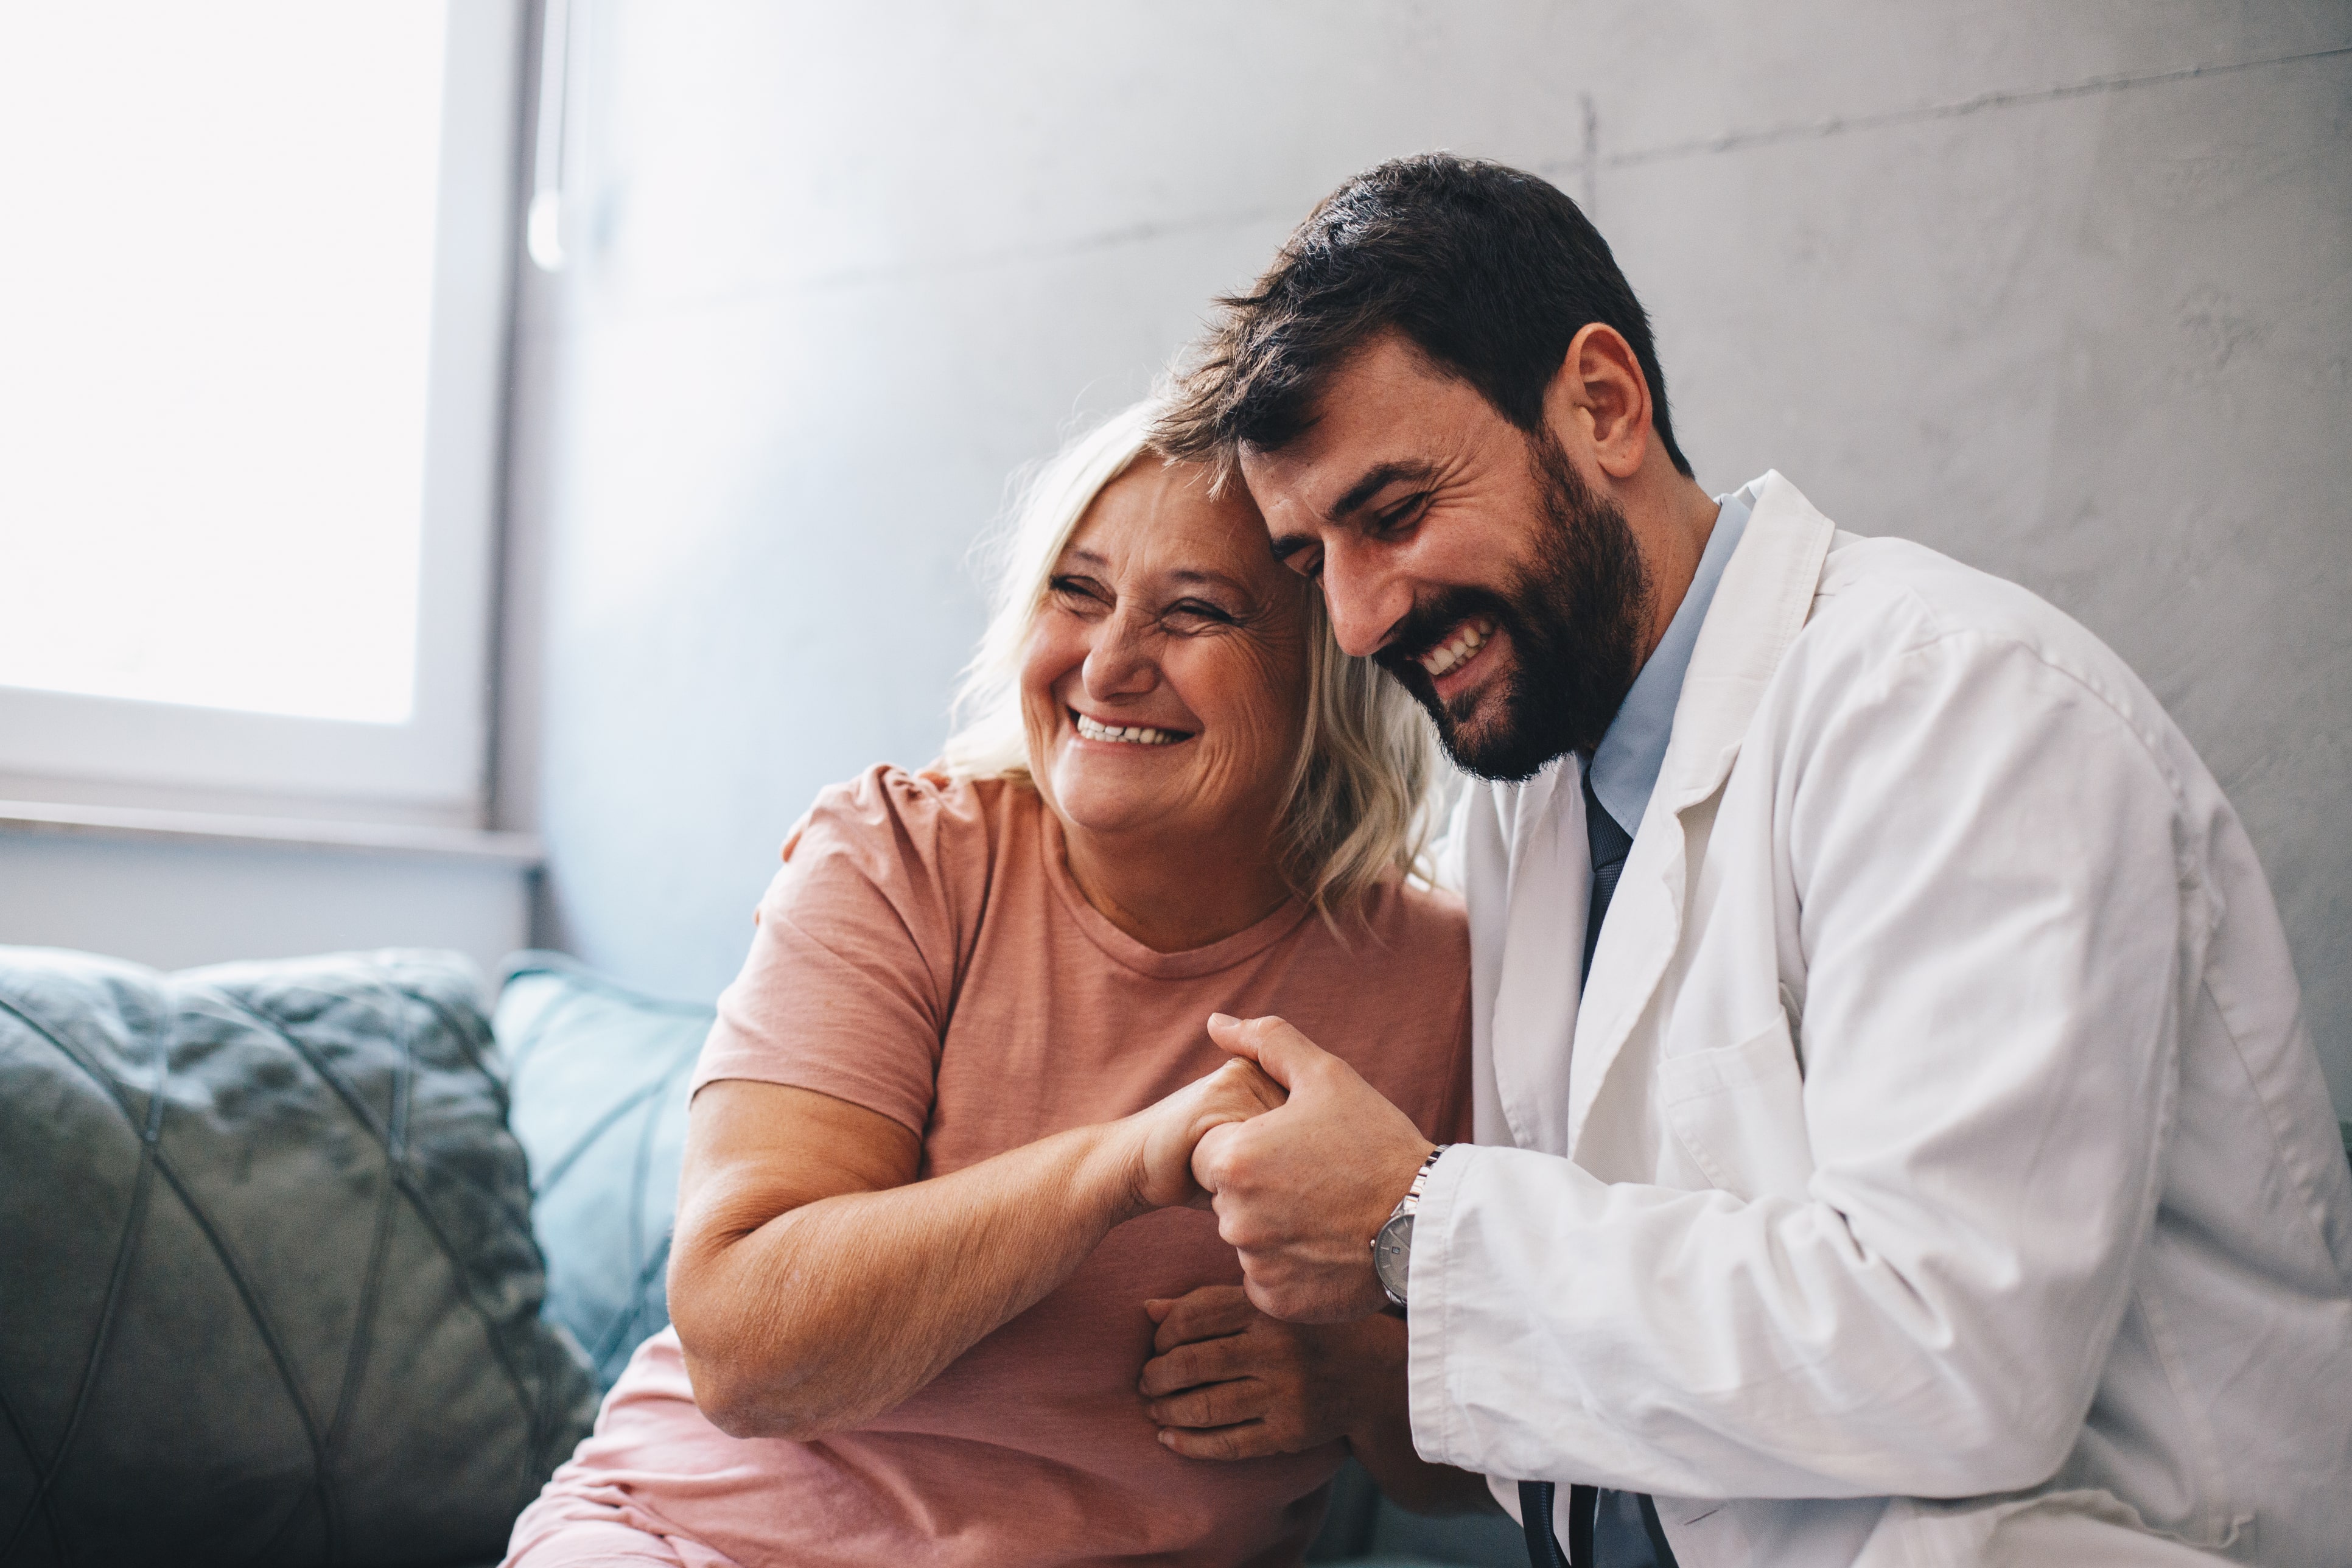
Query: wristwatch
1392, 1245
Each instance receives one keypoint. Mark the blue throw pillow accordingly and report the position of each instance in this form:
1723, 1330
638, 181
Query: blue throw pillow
599, 1078
267, 1288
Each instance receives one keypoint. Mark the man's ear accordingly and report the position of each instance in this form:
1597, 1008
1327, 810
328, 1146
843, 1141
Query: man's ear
1599, 399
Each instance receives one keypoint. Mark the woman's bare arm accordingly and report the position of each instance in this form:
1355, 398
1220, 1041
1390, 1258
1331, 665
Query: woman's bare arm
816, 1283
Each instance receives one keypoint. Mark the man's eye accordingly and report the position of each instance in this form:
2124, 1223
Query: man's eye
1392, 519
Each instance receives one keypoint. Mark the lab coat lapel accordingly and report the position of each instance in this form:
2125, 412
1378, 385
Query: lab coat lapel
1760, 604
1533, 1026
1526, 812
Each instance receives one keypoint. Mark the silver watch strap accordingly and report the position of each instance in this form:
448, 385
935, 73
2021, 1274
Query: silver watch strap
1410, 1202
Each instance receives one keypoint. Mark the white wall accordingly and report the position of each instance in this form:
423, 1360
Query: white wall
174, 905
2058, 289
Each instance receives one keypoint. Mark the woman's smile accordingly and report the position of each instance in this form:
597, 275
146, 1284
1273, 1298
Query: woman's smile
1163, 679
1110, 732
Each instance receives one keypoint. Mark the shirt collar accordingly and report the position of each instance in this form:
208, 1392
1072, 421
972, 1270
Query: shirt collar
1624, 767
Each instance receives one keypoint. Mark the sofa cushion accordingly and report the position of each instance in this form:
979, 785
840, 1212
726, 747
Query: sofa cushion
599, 1078
267, 1287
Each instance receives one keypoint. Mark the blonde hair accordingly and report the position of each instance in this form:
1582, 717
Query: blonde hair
1361, 792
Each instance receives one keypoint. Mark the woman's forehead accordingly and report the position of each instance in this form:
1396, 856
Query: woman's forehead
1159, 517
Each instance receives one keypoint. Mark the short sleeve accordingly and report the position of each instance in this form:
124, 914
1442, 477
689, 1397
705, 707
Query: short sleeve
858, 947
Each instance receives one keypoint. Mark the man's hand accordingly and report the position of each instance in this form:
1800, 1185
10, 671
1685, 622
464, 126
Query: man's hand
1156, 1143
1300, 1191
1226, 1382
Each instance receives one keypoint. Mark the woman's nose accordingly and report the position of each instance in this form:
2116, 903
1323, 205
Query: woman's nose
1119, 663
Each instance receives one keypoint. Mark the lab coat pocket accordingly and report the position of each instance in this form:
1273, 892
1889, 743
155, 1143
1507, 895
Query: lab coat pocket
1740, 1112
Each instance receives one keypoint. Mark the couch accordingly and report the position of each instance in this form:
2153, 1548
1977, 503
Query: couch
323, 1261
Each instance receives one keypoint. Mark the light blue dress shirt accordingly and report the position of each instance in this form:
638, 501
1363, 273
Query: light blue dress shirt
1626, 765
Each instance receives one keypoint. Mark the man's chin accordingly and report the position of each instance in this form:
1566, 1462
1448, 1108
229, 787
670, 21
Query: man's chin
1487, 731
1506, 759
1494, 747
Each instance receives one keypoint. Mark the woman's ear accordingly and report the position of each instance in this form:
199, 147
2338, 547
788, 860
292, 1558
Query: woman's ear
1600, 400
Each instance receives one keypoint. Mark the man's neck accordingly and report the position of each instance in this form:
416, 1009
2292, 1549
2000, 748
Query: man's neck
1671, 531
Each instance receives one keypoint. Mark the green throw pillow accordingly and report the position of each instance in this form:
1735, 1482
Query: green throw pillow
267, 1288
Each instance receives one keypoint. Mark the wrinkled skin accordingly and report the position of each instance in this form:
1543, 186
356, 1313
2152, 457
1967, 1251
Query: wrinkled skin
1165, 612
1226, 1382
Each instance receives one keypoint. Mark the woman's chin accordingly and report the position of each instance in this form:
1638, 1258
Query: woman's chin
1102, 814
1121, 800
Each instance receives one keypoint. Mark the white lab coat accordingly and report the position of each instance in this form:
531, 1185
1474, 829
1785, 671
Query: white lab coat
1948, 1175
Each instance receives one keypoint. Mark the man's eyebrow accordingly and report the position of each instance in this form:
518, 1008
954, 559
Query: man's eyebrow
1377, 479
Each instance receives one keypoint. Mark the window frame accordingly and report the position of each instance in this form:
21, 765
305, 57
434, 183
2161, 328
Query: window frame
433, 768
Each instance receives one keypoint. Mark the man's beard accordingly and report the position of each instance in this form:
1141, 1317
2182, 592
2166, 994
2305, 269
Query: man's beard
1576, 613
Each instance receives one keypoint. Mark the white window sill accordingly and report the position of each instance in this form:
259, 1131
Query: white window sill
148, 825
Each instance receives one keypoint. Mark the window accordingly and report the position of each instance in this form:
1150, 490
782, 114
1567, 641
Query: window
252, 321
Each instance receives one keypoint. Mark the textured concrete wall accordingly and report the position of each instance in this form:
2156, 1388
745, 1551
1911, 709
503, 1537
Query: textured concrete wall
2063, 290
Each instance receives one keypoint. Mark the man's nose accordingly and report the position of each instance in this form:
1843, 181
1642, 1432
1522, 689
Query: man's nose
1119, 663
1365, 599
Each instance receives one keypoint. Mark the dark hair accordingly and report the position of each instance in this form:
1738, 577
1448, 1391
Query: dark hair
1489, 272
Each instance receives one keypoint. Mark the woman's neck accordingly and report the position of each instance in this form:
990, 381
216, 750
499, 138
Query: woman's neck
1175, 896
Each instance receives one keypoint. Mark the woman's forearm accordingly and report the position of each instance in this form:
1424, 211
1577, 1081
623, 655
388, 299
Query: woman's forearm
822, 1317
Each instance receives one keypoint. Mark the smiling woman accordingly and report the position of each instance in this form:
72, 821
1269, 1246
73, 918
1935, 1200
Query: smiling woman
937, 1223
1162, 686
1363, 763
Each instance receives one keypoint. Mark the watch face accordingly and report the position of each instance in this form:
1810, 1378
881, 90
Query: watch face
1392, 1256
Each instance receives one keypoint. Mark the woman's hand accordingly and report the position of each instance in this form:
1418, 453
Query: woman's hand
1158, 1139
1229, 1383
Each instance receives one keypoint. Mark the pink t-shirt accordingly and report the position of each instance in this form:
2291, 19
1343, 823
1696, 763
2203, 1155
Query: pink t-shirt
924, 953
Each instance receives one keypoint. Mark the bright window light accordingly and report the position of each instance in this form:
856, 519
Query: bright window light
215, 300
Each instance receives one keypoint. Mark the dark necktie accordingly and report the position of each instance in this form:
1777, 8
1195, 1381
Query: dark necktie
1608, 844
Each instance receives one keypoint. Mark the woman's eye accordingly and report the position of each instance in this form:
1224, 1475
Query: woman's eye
1194, 612
1078, 593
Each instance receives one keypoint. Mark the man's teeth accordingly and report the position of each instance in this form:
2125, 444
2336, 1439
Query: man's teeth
1465, 641
1134, 734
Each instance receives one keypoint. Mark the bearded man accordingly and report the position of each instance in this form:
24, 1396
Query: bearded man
1897, 1137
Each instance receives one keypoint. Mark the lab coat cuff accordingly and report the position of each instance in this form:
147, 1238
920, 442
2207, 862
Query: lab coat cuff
1436, 1425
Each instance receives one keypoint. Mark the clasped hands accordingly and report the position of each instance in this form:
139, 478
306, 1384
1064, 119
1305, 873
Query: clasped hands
1302, 1162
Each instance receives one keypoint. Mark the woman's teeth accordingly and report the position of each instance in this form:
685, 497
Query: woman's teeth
1466, 640
1133, 735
